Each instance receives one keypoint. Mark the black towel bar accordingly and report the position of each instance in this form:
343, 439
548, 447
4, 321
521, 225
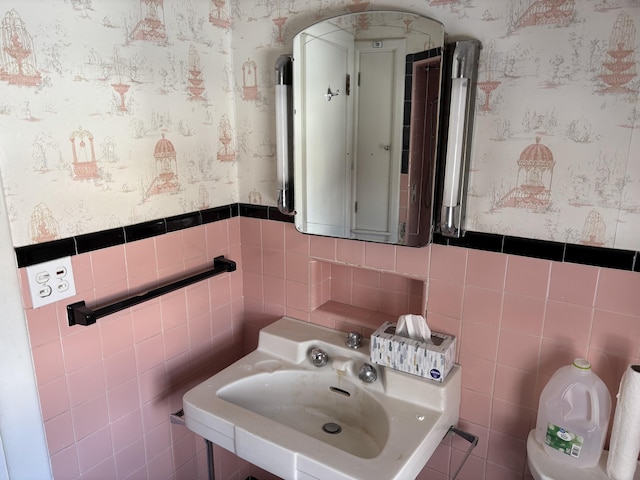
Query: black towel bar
79, 314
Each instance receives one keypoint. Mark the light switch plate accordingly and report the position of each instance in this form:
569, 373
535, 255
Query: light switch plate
51, 281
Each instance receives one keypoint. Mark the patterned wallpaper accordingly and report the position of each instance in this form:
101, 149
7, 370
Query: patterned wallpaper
556, 152
117, 112
113, 113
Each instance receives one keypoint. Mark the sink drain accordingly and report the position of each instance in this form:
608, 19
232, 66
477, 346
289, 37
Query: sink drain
332, 428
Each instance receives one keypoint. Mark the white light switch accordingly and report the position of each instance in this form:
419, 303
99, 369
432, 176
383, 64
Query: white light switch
51, 281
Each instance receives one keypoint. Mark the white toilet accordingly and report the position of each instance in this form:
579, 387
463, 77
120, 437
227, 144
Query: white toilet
545, 467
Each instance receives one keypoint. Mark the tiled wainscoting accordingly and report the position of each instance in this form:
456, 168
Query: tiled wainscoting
107, 390
517, 320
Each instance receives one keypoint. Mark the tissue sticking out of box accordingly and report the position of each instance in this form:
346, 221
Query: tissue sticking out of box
414, 327
431, 359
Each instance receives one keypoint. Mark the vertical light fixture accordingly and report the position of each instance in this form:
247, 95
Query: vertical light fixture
284, 133
463, 79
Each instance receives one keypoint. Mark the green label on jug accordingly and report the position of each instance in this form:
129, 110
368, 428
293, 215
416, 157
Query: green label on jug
564, 441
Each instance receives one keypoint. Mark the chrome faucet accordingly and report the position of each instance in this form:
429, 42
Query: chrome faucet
367, 373
318, 357
354, 340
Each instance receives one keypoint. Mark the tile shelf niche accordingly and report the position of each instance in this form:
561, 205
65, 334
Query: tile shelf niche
349, 318
555, 251
354, 298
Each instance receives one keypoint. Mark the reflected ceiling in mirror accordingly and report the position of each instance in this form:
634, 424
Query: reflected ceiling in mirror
366, 90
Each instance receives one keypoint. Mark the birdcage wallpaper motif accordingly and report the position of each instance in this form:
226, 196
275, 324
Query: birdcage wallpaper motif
249, 80
18, 60
594, 230
533, 191
166, 179
43, 226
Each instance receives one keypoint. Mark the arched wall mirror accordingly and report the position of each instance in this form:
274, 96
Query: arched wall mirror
360, 123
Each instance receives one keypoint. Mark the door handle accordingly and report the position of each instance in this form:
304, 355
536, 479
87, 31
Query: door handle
329, 95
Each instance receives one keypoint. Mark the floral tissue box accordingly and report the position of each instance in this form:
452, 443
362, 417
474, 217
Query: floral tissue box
433, 360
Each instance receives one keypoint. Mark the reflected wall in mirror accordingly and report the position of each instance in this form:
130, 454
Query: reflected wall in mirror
366, 101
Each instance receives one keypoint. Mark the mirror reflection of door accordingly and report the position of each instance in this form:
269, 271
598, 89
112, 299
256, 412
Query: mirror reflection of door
325, 112
363, 158
379, 91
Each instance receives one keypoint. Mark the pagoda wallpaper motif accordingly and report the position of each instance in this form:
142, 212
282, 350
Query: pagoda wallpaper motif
117, 112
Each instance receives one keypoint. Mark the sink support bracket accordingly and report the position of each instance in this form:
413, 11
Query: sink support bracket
177, 418
473, 441
212, 473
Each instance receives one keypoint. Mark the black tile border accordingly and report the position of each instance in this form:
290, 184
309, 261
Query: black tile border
42, 252
600, 257
547, 250
475, 240
96, 241
254, 211
556, 251
140, 231
275, 214
529, 247
216, 214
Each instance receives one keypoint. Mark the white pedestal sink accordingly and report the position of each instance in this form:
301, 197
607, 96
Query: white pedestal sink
277, 410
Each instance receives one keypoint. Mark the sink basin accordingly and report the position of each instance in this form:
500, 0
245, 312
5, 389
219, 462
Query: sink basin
298, 421
307, 401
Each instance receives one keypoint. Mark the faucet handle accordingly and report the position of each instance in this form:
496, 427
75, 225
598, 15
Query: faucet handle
367, 373
318, 357
354, 340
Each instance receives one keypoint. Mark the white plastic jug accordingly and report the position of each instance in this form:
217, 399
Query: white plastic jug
573, 415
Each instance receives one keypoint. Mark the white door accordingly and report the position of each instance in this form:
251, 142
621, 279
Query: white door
23, 447
378, 151
326, 130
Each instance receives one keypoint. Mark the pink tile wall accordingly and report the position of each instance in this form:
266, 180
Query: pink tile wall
517, 320
107, 390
